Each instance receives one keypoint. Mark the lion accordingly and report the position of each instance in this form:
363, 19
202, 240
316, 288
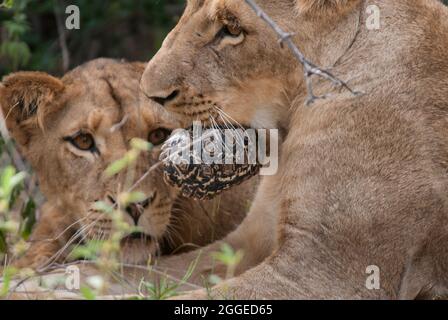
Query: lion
70, 130
359, 207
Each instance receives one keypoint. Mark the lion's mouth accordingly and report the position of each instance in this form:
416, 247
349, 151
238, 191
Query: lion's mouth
197, 115
136, 236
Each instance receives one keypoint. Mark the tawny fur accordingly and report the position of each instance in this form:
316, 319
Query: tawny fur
41, 110
363, 179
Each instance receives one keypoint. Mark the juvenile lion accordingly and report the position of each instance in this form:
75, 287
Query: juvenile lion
71, 130
363, 179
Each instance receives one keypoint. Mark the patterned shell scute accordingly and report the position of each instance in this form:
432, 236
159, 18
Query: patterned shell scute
201, 181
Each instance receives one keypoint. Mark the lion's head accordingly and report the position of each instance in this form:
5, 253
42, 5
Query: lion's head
71, 129
223, 61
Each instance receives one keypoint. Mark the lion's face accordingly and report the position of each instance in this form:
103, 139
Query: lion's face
72, 129
222, 61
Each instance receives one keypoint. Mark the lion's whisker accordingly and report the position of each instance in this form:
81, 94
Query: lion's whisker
81, 230
68, 228
229, 122
58, 253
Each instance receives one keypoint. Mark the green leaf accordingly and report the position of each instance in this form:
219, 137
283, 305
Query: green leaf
7, 4
116, 167
17, 179
28, 219
122, 163
127, 198
10, 186
3, 244
87, 293
141, 144
5, 179
228, 256
103, 207
89, 251
9, 226
2, 145
9, 180
8, 273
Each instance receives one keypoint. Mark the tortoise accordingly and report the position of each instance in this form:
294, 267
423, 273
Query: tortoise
184, 168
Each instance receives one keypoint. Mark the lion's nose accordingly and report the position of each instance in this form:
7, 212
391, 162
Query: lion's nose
155, 91
163, 99
160, 81
135, 210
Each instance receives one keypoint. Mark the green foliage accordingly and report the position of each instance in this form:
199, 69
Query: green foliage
7, 4
165, 287
138, 145
7, 277
228, 256
28, 220
13, 48
90, 251
3, 243
161, 290
10, 183
121, 164
17, 207
87, 293
116, 28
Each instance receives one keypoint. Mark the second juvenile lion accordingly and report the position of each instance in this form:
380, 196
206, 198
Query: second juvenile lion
71, 129
363, 181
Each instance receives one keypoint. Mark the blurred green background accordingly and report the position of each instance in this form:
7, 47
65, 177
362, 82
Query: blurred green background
30, 38
131, 29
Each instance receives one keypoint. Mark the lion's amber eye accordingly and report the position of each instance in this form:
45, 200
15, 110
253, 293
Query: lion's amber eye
159, 136
83, 141
232, 30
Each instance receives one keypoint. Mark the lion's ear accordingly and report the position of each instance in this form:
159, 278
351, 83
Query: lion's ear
26, 98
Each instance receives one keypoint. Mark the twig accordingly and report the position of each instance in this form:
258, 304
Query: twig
145, 175
309, 68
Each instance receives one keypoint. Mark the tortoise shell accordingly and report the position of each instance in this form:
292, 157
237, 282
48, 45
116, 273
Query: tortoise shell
185, 170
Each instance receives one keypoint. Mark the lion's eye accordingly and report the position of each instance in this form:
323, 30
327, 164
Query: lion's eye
230, 34
159, 136
231, 30
82, 141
